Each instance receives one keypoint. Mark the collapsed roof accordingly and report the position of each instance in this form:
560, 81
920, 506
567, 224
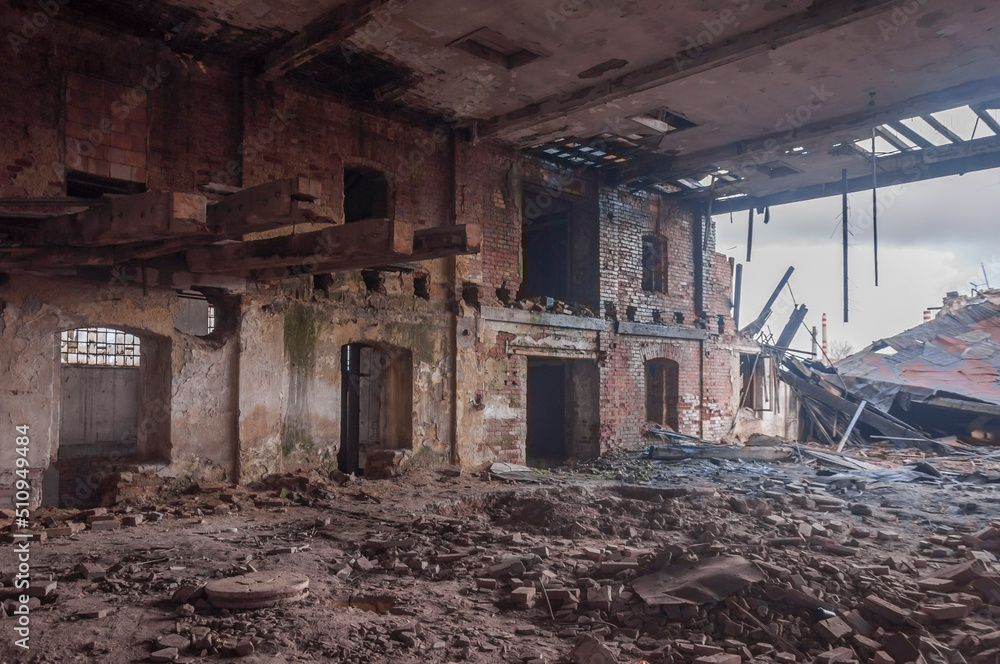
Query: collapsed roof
956, 355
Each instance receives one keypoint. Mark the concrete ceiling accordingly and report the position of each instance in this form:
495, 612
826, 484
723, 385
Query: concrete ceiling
812, 75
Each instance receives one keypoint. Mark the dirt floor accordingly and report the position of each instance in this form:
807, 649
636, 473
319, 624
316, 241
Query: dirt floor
428, 567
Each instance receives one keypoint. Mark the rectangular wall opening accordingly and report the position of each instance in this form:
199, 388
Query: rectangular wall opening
758, 382
114, 392
560, 247
562, 411
663, 393
376, 403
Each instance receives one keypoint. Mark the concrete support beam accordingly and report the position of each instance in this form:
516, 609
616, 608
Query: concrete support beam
321, 35
822, 16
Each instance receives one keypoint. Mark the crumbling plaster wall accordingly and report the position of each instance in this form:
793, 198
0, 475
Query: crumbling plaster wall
290, 375
199, 414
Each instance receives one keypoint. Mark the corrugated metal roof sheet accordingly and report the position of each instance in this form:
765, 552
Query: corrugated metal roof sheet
956, 353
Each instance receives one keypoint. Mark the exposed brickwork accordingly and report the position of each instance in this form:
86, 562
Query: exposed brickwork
183, 125
105, 128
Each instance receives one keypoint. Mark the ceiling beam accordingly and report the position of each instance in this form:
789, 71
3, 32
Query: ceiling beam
428, 244
267, 206
941, 129
892, 140
743, 156
363, 241
822, 16
902, 168
331, 29
988, 120
148, 216
910, 134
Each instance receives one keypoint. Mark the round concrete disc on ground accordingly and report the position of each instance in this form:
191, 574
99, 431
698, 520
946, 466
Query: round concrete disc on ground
256, 590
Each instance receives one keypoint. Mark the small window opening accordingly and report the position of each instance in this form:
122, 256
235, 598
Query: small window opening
610, 310
657, 317
470, 294
195, 314
721, 320
99, 346
421, 285
366, 194
630, 314
374, 281
653, 264
679, 317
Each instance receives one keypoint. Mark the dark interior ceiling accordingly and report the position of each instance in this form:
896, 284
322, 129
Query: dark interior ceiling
766, 99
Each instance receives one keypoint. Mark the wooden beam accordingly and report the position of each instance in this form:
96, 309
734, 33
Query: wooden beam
363, 241
822, 16
147, 216
267, 206
976, 407
331, 29
871, 416
428, 244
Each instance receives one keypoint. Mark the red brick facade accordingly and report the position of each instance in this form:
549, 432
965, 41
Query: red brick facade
175, 125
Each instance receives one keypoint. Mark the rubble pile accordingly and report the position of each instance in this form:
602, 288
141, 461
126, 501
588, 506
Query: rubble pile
709, 562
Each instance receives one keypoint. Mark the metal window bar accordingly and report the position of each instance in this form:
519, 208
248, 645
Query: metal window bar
99, 346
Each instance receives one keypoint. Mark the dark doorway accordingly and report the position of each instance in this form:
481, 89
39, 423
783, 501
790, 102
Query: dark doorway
560, 241
376, 403
366, 194
563, 411
662, 382
546, 444
546, 250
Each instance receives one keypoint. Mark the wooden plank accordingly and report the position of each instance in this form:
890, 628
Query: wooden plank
323, 34
870, 415
428, 244
136, 217
850, 427
271, 205
362, 242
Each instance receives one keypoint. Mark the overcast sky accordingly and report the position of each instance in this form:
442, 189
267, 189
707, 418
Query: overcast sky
933, 236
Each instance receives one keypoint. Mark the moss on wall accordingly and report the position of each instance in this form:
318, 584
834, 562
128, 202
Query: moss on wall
301, 330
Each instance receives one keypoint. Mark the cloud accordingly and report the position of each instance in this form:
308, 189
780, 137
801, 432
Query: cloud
932, 239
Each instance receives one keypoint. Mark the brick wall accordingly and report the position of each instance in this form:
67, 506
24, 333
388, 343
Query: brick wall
105, 128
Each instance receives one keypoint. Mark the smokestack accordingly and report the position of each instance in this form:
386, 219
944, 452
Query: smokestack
825, 347
815, 338
927, 315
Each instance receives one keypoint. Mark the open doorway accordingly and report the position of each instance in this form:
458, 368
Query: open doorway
662, 393
114, 391
562, 411
376, 402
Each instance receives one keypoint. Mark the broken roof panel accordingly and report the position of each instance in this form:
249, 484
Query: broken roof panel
957, 353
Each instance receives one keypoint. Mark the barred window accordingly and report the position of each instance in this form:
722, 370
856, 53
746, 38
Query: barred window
211, 318
99, 346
